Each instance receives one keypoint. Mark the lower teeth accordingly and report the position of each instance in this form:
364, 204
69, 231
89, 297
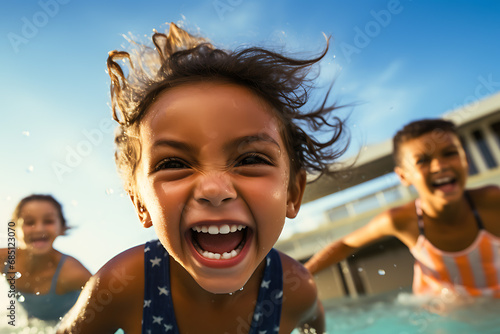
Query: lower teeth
217, 256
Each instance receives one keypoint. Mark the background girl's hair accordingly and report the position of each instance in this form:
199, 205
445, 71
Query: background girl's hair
40, 197
179, 58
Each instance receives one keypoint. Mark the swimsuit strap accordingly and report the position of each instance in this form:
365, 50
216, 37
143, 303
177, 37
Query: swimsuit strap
474, 211
53, 284
418, 208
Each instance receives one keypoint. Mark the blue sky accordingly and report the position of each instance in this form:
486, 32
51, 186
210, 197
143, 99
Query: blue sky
397, 60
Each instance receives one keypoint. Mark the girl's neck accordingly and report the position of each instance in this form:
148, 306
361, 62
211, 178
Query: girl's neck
447, 213
39, 262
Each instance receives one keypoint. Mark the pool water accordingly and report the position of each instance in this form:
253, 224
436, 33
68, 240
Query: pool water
404, 313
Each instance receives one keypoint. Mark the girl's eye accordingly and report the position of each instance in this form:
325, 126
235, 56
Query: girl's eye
171, 163
422, 160
450, 153
253, 159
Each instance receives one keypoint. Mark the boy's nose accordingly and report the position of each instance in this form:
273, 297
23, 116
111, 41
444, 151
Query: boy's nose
214, 188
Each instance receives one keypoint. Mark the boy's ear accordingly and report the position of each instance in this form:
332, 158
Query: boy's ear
142, 212
295, 194
402, 175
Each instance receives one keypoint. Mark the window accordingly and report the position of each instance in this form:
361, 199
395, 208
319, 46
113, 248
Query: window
496, 130
484, 149
472, 163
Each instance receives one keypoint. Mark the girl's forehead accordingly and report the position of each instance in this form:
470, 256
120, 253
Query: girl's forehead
210, 107
38, 207
431, 142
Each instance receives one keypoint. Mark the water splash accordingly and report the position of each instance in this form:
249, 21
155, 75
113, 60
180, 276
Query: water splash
17, 275
381, 272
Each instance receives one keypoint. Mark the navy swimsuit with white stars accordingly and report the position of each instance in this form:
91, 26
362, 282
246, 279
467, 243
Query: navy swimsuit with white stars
158, 313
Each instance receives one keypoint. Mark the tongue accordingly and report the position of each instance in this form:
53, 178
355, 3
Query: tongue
448, 187
218, 243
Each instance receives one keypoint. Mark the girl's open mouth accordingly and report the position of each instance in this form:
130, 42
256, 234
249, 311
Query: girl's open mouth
220, 245
445, 184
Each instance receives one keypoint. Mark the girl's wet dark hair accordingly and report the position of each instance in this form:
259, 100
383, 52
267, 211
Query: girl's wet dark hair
180, 58
40, 197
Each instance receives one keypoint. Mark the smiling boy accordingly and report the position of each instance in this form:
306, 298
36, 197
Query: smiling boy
453, 233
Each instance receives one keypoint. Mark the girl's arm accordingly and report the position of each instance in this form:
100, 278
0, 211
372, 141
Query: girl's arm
302, 308
111, 299
377, 228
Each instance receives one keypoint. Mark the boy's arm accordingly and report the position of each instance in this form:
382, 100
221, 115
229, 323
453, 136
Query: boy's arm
336, 251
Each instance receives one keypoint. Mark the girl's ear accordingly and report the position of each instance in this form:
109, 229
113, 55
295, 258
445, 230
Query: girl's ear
142, 212
295, 192
401, 173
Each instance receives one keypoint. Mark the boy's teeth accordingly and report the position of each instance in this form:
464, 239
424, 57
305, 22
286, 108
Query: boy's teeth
215, 229
217, 256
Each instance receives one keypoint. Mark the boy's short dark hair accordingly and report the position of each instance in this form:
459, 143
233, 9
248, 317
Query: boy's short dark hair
416, 129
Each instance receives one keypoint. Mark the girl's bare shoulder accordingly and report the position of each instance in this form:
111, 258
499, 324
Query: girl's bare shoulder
112, 298
300, 296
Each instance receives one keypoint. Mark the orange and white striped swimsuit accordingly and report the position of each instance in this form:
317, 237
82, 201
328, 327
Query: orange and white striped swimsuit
474, 270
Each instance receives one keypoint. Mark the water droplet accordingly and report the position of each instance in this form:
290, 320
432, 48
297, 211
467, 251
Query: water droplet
231, 293
30, 169
241, 289
381, 272
26, 133
20, 298
37, 293
395, 265
17, 275
360, 269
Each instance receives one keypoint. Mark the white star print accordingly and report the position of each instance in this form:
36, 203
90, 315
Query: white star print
168, 327
265, 284
157, 320
262, 332
163, 290
268, 261
276, 329
147, 303
155, 262
256, 316
147, 249
279, 294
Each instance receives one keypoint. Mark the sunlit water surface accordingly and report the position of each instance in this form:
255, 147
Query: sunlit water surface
404, 313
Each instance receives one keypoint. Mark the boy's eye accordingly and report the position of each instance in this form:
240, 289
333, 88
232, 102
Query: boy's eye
171, 163
253, 159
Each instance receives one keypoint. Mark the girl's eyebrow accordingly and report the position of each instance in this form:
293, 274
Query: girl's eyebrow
237, 142
247, 140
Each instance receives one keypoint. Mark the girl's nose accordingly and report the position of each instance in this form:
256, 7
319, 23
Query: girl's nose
438, 164
214, 188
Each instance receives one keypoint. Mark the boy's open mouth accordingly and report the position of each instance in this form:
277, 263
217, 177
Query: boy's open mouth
445, 184
219, 241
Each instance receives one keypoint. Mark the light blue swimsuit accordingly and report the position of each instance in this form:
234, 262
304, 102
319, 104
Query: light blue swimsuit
158, 312
50, 306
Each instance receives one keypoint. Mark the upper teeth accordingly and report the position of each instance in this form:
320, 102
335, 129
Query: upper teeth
216, 229
443, 180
